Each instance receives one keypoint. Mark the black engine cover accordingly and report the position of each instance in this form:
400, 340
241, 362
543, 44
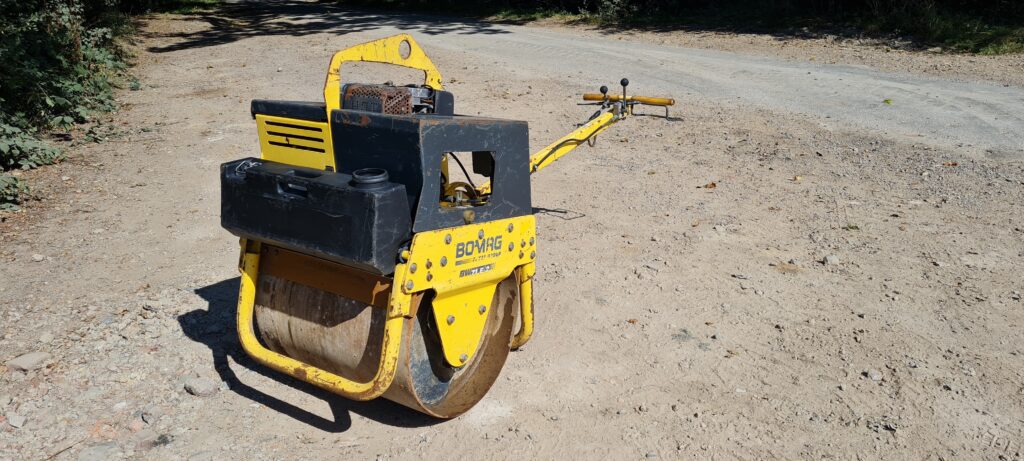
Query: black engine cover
316, 212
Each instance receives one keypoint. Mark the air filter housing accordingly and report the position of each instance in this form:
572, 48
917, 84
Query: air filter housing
396, 100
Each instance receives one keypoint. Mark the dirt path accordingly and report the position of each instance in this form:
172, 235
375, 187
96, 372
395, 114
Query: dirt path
674, 321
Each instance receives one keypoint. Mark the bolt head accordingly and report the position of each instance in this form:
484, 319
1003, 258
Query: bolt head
451, 319
408, 285
510, 227
448, 238
430, 276
523, 243
511, 246
429, 264
463, 358
482, 309
412, 268
444, 261
520, 255
533, 254
531, 241
480, 234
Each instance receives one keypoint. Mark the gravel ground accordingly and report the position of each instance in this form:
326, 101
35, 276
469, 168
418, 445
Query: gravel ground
748, 279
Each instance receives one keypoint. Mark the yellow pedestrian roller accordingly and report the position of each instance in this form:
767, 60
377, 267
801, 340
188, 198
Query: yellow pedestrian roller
388, 246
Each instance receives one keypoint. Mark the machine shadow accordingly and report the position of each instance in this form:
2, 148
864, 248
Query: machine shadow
235, 21
215, 327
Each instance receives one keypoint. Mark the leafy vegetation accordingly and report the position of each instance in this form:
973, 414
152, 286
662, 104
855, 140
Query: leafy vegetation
62, 61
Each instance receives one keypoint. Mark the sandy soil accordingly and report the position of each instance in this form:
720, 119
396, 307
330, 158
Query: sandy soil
839, 292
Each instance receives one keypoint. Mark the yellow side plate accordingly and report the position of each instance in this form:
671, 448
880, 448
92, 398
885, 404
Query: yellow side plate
295, 142
463, 266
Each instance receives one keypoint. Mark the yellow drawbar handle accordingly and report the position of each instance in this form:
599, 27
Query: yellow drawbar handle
650, 101
321, 378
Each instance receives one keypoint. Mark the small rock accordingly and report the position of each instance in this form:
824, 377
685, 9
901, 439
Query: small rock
46, 338
651, 455
872, 374
16, 420
151, 413
38, 257
28, 362
201, 387
830, 260
101, 452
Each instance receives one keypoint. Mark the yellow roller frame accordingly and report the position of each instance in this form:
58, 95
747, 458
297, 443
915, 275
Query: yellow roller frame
385, 51
525, 275
398, 308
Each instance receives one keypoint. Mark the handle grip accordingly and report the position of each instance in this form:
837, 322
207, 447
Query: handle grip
650, 101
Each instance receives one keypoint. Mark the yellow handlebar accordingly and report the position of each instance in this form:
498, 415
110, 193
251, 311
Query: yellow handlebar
640, 99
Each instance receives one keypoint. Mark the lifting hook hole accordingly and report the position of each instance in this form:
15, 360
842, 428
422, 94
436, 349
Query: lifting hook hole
404, 49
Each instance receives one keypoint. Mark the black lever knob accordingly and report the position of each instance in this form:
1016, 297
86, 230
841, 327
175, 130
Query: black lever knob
624, 82
603, 89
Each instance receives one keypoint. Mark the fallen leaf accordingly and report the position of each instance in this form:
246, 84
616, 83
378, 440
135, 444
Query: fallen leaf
710, 185
951, 164
797, 178
887, 101
787, 268
632, 321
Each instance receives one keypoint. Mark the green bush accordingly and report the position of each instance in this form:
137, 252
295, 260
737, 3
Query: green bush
11, 189
60, 62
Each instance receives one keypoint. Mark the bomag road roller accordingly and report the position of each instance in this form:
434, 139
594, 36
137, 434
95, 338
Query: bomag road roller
372, 263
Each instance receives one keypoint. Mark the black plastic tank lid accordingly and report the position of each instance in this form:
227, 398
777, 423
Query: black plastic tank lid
369, 178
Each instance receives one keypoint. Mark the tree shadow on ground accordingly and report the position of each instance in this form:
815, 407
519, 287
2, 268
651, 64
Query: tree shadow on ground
248, 18
215, 327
